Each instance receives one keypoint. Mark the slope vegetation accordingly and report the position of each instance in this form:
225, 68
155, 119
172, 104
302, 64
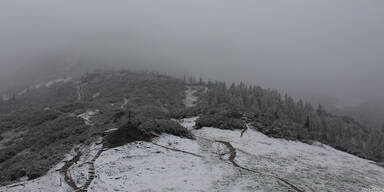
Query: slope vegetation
43, 122
219, 160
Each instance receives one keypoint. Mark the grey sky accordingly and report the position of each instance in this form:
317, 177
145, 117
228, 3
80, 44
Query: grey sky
308, 47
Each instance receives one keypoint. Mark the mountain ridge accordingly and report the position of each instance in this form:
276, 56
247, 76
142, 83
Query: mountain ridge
71, 112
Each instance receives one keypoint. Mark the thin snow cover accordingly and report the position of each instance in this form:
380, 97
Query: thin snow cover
80, 171
62, 80
78, 91
9, 136
39, 85
22, 92
315, 167
53, 180
111, 130
6, 97
188, 123
190, 99
144, 166
88, 115
96, 95
51, 82
125, 102
171, 163
373, 189
47, 84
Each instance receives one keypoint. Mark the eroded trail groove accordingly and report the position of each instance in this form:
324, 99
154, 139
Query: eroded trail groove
177, 150
232, 157
232, 150
91, 170
289, 184
68, 179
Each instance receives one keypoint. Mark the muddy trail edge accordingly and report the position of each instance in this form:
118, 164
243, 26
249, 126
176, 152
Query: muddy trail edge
68, 179
232, 157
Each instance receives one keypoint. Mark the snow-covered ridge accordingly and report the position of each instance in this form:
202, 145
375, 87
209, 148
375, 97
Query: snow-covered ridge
51, 82
172, 163
48, 84
61, 80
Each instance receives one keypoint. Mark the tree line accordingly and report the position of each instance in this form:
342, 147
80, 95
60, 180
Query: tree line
282, 116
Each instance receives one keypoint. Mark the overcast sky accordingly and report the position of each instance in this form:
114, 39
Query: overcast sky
310, 47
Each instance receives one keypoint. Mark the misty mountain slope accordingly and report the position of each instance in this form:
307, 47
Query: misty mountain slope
230, 107
39, 134
147, 166
41, 125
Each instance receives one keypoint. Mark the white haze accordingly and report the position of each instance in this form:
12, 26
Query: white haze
332, 48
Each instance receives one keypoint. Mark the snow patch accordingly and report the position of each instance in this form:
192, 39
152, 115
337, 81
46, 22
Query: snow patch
188, 123
55, 81
9, 136
88, 115
6, 97
38, 86
22, 92
111, 130
374, 189
96, 95
190, 98
125, 102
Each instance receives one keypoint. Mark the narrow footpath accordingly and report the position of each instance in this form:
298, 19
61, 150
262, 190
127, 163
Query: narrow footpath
91, 170
232, 157
68, 179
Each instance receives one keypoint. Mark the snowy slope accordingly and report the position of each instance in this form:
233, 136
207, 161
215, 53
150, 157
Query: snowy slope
310, 167
52, 181
172, 163
217, 160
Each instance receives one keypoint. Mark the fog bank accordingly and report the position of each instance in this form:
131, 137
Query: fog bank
308, 48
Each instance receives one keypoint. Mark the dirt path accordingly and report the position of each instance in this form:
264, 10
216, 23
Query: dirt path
232, 152
232, 157
91, 170
190, 99
68, 179
177, 150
